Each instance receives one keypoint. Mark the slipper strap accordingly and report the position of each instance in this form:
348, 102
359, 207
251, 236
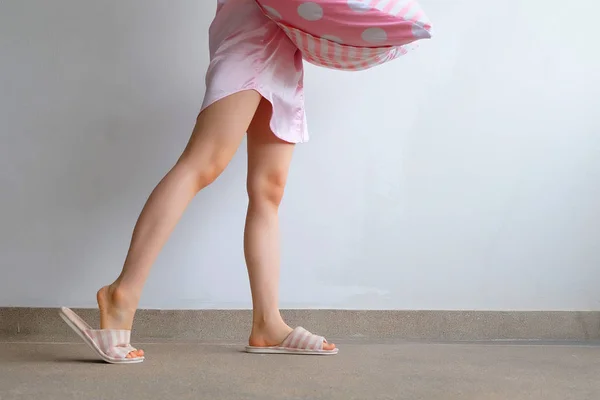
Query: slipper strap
113, 342
301, 339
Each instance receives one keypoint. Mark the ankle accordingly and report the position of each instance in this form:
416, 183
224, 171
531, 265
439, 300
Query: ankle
265, 321
121, 296
117, 307
268, 330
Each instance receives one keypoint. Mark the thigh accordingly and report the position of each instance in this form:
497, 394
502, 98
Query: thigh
269, 157
220, 129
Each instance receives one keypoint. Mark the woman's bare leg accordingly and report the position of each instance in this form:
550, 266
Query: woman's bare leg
268, 164
218, 132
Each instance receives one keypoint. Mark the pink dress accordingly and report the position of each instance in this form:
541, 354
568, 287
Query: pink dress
249, 51
260, 44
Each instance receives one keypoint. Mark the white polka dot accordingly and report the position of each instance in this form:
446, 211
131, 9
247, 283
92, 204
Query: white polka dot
272, 12
310, 11
359, 5
374, 35
333, 38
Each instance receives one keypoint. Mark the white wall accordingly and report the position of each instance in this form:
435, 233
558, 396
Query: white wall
464, 176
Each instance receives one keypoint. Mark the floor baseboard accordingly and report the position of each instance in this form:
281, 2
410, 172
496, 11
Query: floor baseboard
44, 325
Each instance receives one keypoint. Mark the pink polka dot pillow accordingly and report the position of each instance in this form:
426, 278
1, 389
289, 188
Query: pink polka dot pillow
350, 34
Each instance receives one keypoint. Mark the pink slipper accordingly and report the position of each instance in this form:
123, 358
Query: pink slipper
112, 345
300, 341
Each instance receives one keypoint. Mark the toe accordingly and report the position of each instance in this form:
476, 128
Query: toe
134, 354
328, 346
140, 353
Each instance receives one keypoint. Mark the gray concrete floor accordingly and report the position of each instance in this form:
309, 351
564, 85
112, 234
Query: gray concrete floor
360, 371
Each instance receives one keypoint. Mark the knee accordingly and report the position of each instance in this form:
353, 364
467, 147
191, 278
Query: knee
202, 174
209, 173
267, 188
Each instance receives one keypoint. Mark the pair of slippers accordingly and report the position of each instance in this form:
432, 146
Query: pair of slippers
112, 345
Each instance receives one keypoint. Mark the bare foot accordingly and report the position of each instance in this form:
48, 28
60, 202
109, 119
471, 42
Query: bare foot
273, 334
116, 312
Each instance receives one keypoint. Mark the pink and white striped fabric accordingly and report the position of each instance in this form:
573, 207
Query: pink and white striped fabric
299, 341
113, 342
112, 345
350, 34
